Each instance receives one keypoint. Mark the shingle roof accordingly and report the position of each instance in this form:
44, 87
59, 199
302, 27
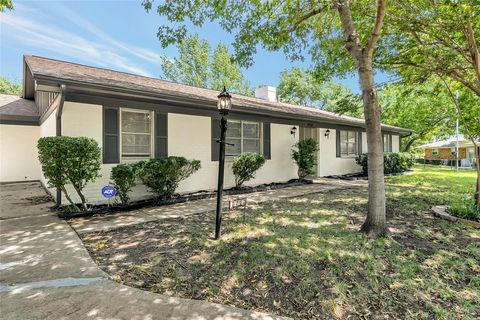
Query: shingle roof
67, 71
449, 143
14, 109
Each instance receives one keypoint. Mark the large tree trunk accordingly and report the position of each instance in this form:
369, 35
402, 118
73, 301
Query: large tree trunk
375, 224
477, 191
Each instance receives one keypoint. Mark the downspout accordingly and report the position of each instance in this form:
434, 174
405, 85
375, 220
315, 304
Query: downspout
63, 91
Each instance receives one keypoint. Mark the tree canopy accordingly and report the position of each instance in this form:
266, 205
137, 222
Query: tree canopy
9, 87
197, 65
299, 86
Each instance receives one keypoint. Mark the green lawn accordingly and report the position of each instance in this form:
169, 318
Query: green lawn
305, 258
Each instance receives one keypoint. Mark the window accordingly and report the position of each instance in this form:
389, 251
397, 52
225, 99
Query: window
453, 151
348, 143
245, 137
136, 134
387, 147
434, 152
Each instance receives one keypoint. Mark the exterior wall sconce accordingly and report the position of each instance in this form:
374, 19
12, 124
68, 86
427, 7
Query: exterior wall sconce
327, 133
293, 131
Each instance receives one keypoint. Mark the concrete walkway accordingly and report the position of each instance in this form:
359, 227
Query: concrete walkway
122, 219
46, 273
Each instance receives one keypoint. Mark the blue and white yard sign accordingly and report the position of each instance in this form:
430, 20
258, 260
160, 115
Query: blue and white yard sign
109, 192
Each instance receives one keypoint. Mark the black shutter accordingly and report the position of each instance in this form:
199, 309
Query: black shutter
215, 138
267, 144
161, 135
337, 137
111, 134
359, 141
390, 147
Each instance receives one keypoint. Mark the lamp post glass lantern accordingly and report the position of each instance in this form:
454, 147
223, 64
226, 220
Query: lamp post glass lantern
224, 105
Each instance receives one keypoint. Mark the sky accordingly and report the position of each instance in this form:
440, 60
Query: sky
118, 35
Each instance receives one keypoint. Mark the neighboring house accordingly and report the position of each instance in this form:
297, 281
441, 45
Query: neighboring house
134, 118
446, 150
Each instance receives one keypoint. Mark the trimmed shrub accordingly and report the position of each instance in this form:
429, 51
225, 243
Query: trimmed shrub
304, 155
392, 162
245, 165
162, 176
74, 160
123, 178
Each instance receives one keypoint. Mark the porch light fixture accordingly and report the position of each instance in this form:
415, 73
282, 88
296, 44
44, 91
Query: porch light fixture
224, 102
224, 105
327, 133
293, 131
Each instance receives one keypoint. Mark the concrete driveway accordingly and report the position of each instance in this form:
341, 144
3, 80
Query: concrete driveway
46, 273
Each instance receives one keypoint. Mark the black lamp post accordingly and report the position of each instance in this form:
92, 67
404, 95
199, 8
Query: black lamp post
224, 105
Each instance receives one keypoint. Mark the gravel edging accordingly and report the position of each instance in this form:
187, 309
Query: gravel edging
441, 212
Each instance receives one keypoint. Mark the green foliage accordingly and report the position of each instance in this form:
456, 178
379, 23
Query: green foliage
300, 86
163, 175
6, 4
393, 162
465, 209
432, 40
305, 155
245, 166
9, 87
196, 65
74, 160
123, 178
425, 108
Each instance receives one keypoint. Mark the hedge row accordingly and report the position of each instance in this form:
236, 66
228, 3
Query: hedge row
392, 162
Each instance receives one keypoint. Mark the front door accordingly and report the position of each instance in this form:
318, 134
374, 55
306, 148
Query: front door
310, 133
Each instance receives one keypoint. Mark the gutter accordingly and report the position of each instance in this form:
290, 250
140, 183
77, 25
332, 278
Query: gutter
58, 122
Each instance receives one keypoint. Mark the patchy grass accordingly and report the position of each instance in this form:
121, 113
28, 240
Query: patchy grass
305, 258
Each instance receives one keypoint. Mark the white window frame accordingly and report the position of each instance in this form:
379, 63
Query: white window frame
260, 136
434, 151
355, 152
386, 143
152, 136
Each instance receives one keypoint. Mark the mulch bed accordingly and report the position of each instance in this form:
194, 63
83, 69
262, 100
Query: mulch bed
64, 213
361, 176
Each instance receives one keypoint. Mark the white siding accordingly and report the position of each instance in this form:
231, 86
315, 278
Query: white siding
48, 129
329, 164
18, 153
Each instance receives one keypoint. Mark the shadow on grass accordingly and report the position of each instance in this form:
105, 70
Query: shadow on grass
305, 258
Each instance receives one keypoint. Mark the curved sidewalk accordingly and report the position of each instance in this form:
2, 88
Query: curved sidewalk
46, 273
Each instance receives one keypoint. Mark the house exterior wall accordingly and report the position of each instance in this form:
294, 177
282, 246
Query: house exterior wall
329, 164
188, 136
48, 129
18, 153
445, 153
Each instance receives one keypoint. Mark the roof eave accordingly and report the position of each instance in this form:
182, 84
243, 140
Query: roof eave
174, 95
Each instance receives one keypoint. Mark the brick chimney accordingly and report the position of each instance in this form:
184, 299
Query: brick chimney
267, 93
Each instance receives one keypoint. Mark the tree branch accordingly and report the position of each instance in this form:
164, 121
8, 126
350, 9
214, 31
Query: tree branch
472, 46
381, 7
304, 18
352, 40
